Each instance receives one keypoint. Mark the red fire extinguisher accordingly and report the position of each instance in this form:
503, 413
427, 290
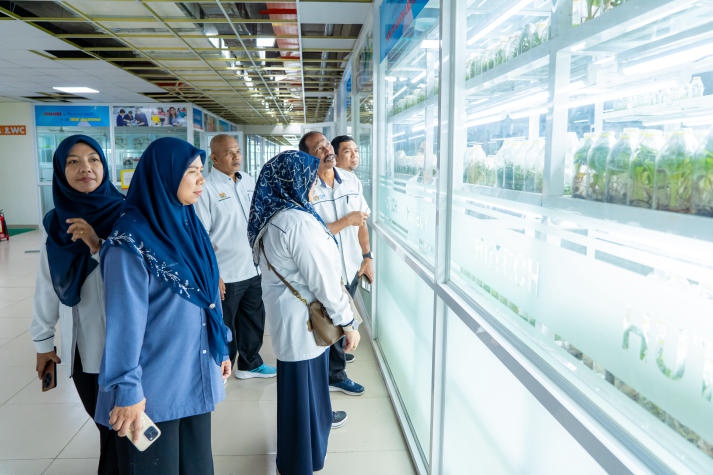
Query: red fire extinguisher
4, 234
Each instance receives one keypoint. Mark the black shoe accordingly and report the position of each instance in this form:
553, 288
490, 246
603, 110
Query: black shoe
349, 357
338, 418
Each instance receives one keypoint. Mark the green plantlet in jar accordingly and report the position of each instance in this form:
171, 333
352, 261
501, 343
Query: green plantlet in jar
579, 181
641, 171
617, 174
597, 166
702, 181
674, 167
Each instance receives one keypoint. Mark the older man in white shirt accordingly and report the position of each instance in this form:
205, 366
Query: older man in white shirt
223, 208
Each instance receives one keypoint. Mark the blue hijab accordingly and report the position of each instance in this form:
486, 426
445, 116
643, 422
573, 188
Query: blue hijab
168, 236
71, 261
284, 183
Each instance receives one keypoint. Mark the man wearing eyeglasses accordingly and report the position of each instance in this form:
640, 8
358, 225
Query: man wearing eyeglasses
340, 202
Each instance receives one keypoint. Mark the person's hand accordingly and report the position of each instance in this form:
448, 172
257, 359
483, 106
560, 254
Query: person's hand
356, 218
80, 229
351, 338
225, 368
123, 418
43, 359
221, 288
367, 269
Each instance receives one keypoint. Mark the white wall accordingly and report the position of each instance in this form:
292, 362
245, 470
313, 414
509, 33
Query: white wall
18, 176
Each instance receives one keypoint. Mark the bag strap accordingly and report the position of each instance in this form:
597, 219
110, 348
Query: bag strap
269, 266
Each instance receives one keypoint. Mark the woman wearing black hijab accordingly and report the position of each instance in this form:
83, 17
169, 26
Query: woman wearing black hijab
69, 289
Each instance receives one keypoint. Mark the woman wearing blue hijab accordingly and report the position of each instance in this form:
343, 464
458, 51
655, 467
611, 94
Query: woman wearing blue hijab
288, 237
69, 288
166, 342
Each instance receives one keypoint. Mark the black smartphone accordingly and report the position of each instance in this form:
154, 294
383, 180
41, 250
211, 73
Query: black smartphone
49, 376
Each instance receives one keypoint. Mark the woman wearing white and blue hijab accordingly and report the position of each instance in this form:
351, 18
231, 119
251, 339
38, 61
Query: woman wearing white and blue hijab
68, 289
299, 246
166, 344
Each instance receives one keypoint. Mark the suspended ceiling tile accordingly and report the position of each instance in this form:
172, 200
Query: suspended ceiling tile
334, 12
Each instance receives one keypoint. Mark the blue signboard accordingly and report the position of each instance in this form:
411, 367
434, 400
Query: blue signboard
72, 116
223, 126
197, 119
395, 18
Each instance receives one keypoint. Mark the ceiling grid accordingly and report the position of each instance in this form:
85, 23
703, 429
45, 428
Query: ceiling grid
250, 62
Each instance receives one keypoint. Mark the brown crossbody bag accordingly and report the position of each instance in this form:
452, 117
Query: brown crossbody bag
325, 332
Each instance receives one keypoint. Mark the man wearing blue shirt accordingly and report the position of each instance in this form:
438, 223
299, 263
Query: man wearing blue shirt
223, 208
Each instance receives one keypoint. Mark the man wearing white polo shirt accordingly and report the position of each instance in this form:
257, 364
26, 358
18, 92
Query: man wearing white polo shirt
340, 202
223, 208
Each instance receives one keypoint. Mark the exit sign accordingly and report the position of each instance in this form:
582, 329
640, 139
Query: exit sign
13, 130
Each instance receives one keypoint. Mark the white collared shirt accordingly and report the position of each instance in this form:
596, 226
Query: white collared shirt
334, 203
223, 208
304, 253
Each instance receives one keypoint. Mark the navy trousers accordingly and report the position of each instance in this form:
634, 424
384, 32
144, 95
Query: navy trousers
304, 415
182, 449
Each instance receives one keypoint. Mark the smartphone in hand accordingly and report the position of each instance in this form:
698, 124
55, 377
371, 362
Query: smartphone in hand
49, 376
149, 433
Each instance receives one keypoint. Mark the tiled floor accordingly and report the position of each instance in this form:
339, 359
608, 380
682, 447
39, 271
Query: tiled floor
49, 433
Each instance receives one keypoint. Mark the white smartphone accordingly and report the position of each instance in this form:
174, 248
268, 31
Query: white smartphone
149, 433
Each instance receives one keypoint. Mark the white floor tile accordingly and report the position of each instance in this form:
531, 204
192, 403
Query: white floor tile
245, 465
85, 444
73, 466
379, 462
38, 431
14, 380
24, 467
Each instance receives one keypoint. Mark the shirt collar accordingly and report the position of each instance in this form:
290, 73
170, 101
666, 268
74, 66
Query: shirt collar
337, 178
237, 174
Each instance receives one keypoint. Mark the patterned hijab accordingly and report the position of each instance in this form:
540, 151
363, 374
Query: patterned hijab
168, 236
284, 183
71, 261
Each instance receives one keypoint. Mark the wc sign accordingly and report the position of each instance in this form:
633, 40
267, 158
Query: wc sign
13, 130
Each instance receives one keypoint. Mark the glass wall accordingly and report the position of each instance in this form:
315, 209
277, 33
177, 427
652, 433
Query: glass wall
407, 174
259, 150
542, 172
491, 423
404, 307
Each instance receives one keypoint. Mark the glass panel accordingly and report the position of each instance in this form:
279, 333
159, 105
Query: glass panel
646, 140
48, 139
498, 31
46, 199
131, 143
490, 418
507, 84
407, 177
365, 95
405, 334
617, 284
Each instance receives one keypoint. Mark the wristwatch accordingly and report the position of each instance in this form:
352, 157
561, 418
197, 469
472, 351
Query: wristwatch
368, 255
353, 326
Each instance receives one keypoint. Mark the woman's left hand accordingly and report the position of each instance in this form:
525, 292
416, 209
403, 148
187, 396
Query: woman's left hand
225, 368
80, 229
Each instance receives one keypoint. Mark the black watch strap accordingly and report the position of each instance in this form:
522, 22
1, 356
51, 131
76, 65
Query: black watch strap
368, 255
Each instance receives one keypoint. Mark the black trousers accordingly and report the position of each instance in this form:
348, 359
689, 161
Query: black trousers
182, 449
244, 314
87, 385
337, 358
